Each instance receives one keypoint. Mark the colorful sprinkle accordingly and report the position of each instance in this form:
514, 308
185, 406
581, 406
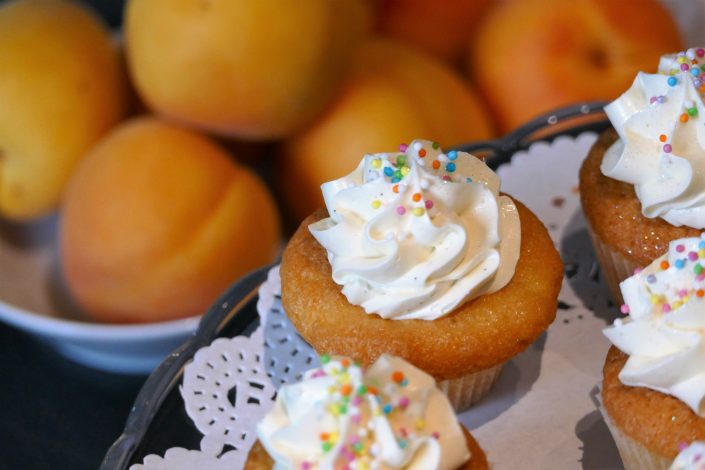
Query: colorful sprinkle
452, 155
664, 265
662, 138
672, 81
376, 163
680, 248
376, 204
436, 164
416, 197
429, 204
624, 309
450, 167
401, 210
667, 148
422, 153
419, 211
403, 147
683, 117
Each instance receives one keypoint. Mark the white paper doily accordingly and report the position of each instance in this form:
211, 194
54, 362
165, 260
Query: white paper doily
540, 413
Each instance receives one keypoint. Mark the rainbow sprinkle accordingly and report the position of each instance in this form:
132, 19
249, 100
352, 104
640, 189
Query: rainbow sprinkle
690, 262
357, 449
396, 168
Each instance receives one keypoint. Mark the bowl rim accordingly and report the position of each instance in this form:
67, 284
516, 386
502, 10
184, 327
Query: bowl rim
53, 327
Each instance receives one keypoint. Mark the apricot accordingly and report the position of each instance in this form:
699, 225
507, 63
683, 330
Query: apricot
158, 221
61, 89
438, 28
531, 56
256, 69
394, 95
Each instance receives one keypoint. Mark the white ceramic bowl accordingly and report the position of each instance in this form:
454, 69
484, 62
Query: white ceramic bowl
33, 299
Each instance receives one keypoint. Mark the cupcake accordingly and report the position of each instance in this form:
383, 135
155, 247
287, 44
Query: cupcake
390, 416
643, 183
691, 457
421, 257
654, 375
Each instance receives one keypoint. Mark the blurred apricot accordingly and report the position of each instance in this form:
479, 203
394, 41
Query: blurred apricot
158, 221
438, 28
61, 89
255, 69
394, 95
531, 56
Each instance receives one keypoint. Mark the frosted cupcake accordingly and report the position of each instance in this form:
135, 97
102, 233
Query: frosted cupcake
643, 183
691, 457
654, 375
390, 416
420, 256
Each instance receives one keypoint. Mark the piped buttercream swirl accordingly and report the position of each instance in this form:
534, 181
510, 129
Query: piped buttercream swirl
391, 416
691, 457
413, 234
661, 149
665, 328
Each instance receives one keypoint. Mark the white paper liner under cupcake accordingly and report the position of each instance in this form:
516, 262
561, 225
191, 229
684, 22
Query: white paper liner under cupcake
635, 456
615, 267
464, 391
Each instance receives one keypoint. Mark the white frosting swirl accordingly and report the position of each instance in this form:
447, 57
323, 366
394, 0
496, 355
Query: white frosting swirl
663, 334
690, 458
412, 235
661, 150
391, 416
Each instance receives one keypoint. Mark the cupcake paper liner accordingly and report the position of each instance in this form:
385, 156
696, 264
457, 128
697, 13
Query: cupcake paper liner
635, 456
464, 391
614, 265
